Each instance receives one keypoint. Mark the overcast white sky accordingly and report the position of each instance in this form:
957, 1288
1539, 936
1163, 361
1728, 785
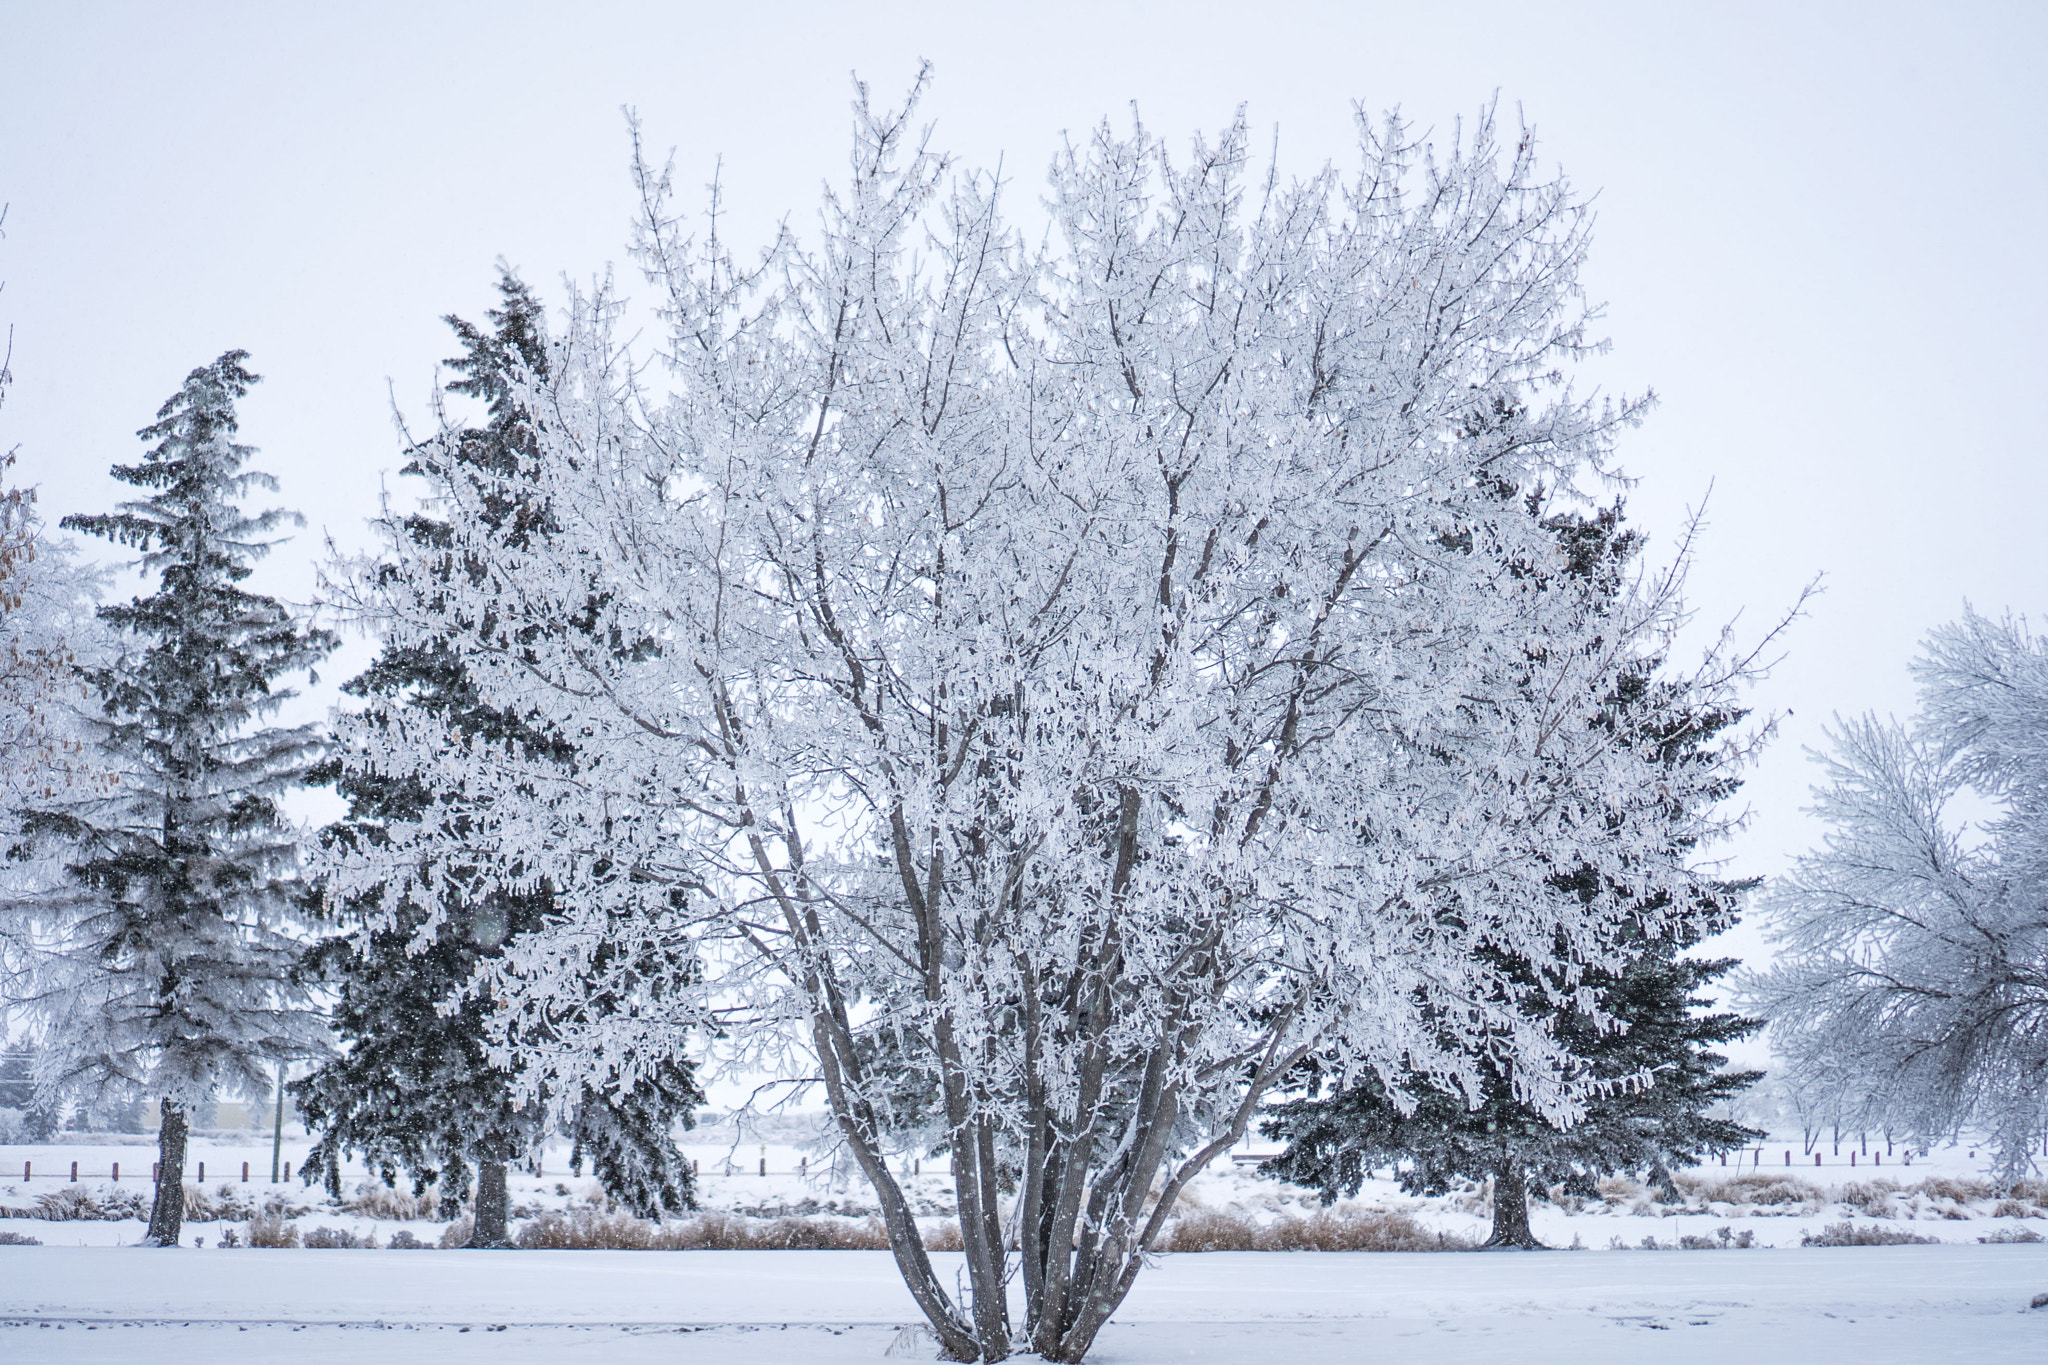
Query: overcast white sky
1820, 235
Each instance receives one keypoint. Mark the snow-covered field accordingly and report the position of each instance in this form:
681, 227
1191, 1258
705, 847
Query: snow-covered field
1870, 1305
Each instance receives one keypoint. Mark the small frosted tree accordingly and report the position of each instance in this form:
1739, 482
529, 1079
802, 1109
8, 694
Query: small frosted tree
1114, 669
166, 963
1910, 986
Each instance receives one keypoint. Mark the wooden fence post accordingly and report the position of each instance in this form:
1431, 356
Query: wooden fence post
156, 1173
287, 1172
74, 1173
245, 1173
202, 1173
1816, 1158
117, 1173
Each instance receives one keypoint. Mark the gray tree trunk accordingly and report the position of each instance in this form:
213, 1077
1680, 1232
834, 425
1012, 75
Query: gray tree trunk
1511, 1210
167, 1214
492, 1206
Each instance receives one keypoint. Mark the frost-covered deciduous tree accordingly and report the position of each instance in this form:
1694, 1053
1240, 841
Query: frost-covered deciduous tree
413, 1086
1114, 667
45, 619
47, 630
164, 966
1910, 984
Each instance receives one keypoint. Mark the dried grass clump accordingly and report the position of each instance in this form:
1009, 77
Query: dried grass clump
339, 1239
1723, 1239
2013, 1208
403, 1240
1750, 1189
374, 1199
458, 1233
945, 1237
2009, 1235
1847, 1234
81, 1203
1948, 1187
235, 1203
272, 1231
1871, 1197
22, 1239
1324, 1230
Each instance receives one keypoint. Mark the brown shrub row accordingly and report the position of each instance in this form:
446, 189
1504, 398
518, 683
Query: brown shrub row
1847, 1234
1323, 1230
590, 1230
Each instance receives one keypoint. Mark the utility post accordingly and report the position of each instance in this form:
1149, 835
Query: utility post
277, 1127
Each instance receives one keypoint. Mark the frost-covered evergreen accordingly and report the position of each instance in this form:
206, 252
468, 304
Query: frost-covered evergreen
1910, 985
417, 1087
1334, 1143
1636, 1038
166, 964
1108, 666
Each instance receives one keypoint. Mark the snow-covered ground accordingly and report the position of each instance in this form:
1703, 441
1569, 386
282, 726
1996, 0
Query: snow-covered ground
1874, 1305
80, 1298
1792, 1202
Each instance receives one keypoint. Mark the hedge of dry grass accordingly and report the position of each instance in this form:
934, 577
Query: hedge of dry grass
590, 1230
1864, 1235
1751, 1189
1323, 1230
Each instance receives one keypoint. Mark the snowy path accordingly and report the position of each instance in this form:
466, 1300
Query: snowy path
1871, 1305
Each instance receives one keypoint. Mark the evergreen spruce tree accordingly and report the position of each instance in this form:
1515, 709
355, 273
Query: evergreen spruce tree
1336, 1140
171, 973
415, 1088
